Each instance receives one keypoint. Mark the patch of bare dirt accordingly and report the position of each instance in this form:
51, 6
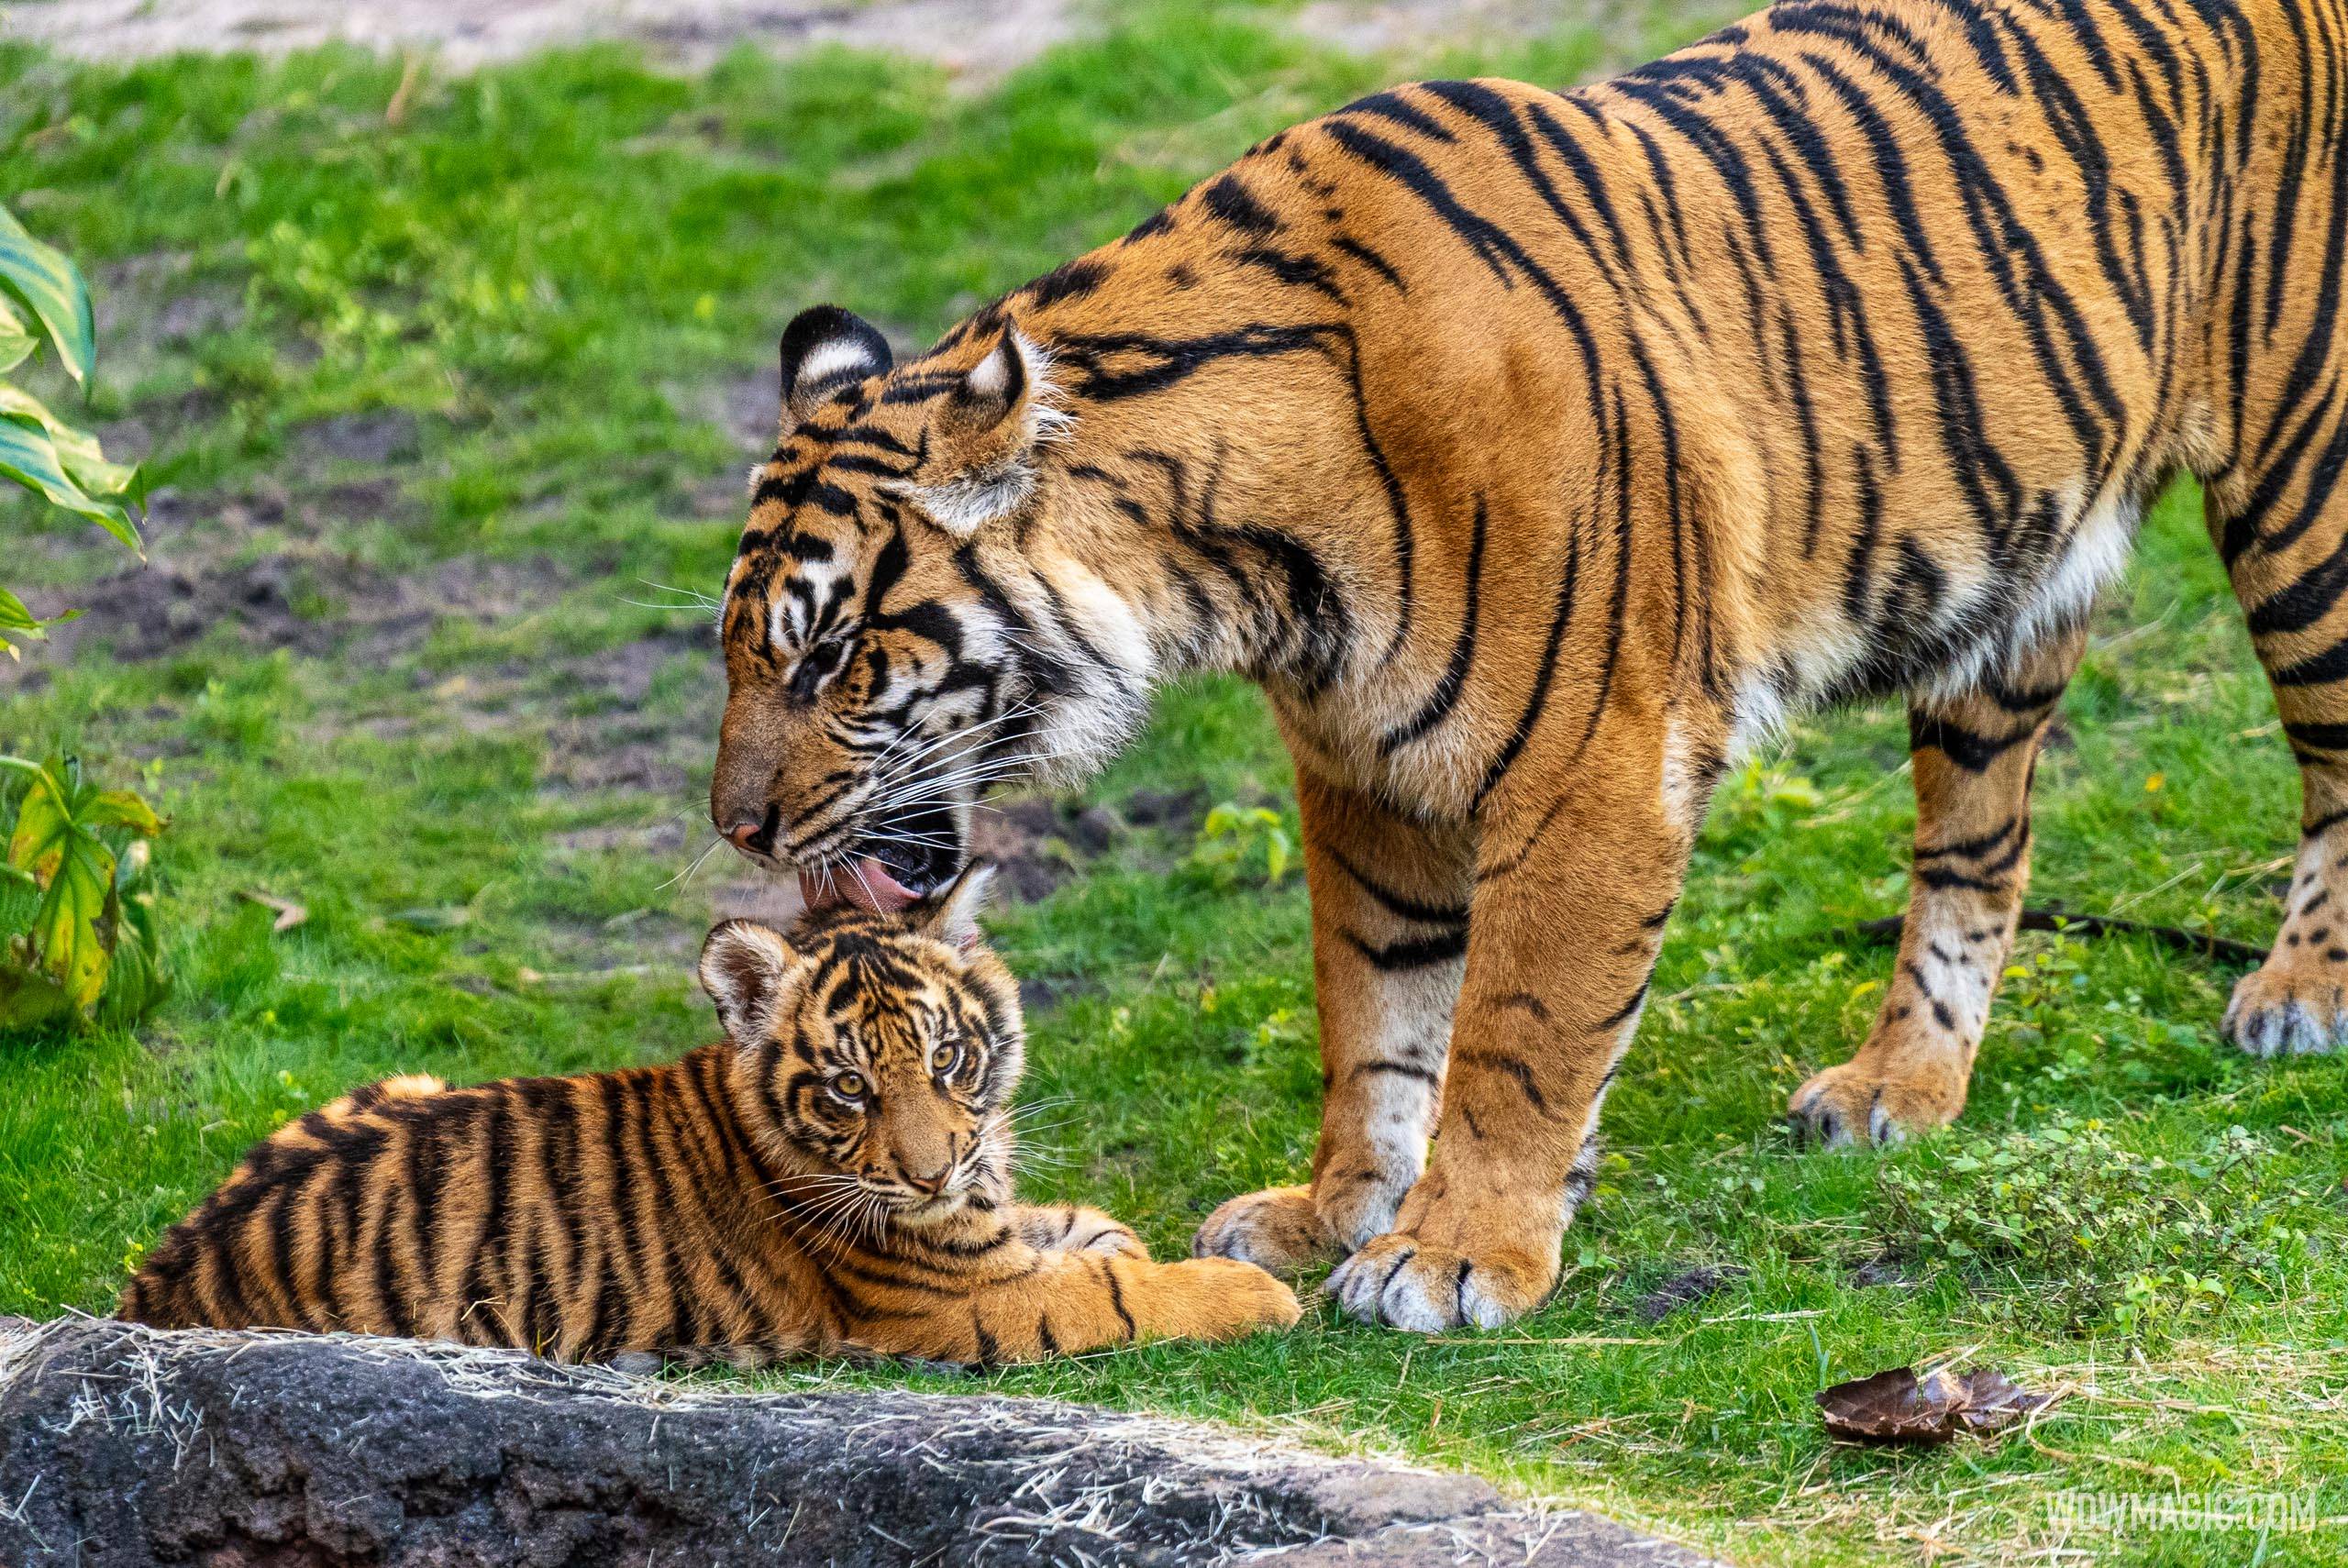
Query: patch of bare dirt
979, 40
1687, 1288
1412, 31
748, 406
1040, 843
604, 730
317, 601
1418, 27
372, 439
1883, 1269
616, 753
154, 305
1036, 843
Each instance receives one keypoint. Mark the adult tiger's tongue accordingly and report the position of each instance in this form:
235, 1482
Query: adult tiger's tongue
864, 882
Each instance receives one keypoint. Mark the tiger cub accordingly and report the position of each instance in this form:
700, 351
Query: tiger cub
835, 1178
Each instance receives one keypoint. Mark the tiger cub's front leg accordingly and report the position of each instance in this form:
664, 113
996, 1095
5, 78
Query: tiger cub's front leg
1072, 1228
1389, 925
1030, 1303
1974, 758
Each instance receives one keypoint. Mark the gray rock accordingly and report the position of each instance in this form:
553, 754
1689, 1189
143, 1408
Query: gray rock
123, 1446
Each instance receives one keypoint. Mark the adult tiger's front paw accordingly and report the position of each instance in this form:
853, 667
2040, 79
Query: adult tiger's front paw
1404, 1283
1857, 1103
2295, 1004
1277, 1230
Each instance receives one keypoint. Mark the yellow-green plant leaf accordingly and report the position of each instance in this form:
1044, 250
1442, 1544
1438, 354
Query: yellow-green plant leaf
91, 904
29, 457
65, 929
16, 345
44, 821
77, 450
49, 283
120, 808
15, 621
15, 617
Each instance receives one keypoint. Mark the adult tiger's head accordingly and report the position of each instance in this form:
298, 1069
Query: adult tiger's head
894, 644
878, 1053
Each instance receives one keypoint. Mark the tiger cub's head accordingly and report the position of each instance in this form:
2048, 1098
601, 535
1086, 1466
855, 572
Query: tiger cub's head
880, 1049
892, 648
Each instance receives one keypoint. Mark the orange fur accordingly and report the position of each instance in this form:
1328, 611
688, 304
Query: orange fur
1537, 452
728, 1205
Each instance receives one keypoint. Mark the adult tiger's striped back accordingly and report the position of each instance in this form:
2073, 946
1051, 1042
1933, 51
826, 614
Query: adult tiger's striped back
834, 1178
1536, 452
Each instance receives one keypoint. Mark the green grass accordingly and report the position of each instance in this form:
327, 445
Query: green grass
438, 401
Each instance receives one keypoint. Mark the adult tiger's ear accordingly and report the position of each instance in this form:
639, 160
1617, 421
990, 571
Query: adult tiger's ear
824, 349
951, 914
984, 435
746, 969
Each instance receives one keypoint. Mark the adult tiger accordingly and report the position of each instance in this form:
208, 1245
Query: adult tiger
1534, 451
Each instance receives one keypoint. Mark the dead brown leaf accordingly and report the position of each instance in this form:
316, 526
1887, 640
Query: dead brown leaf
289, 913
1899, 1406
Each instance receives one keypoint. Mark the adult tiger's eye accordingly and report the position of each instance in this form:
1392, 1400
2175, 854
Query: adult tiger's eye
848, 1086
817, 666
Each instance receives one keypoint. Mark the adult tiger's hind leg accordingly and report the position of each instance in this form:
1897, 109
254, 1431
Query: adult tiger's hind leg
1390, 926
1974, 758
2287, 549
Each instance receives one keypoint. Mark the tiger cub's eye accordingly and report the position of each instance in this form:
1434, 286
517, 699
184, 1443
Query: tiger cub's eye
942, 1056
847, 1086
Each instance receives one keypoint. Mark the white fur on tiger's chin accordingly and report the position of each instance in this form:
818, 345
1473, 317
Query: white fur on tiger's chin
930, 1211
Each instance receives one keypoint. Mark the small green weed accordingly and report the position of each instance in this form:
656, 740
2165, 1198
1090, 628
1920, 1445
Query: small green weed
1243, 843
2078, 1230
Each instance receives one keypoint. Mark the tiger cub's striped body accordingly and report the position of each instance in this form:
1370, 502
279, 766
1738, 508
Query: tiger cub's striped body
1536, 452
729, 1204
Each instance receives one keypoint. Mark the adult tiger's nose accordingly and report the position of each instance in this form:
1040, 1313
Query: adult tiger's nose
753, 838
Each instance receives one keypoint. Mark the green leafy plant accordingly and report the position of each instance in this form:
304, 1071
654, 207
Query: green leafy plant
91, 931
2095, 1233
1235, 841
42, 295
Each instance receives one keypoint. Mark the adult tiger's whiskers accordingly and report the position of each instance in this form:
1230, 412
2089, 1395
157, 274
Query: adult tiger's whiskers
687, 874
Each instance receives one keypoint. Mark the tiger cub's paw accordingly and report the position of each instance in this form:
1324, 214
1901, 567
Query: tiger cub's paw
1221, 1299
1276, 1230
1857, 1103
2295, 1004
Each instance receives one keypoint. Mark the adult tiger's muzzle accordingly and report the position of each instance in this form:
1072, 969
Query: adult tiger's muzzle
882, 864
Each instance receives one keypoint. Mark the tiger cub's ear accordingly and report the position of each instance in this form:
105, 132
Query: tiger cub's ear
951, 914
984, 436
824, 349
745, 968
